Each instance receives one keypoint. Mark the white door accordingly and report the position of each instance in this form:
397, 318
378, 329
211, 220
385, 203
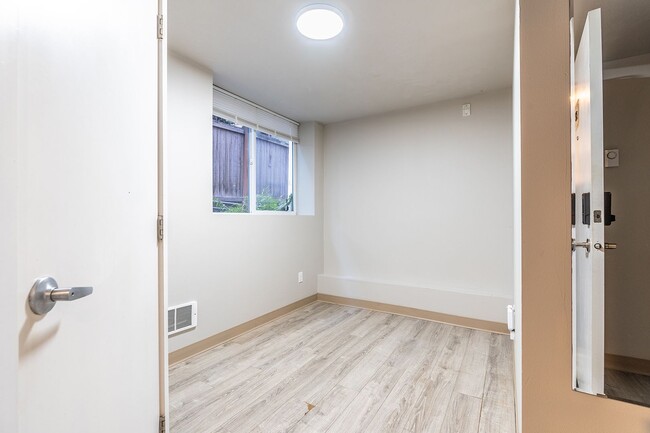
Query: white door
86, 123
587, 175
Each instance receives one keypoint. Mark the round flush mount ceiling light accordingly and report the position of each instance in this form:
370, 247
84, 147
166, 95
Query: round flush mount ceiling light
320, 22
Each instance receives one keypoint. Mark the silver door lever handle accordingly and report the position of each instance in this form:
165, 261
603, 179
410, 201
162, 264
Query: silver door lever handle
45, 293
70, 294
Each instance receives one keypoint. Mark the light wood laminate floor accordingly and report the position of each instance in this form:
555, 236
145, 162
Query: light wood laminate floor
337, 369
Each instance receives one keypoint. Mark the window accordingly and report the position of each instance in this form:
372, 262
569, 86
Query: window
252, 156
251, 169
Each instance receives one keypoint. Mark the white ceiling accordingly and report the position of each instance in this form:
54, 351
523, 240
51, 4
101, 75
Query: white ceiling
390, 55
625, 23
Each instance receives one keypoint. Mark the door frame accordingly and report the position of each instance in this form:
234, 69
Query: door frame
517, 220
163, 358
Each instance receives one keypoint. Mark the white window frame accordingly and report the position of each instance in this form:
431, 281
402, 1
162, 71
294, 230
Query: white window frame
243, 112
252, 178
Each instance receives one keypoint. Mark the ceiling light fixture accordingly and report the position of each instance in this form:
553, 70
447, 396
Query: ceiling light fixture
320, 22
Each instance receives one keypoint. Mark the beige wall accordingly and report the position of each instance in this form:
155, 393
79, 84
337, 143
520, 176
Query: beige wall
419, 208
236, 266
627, 274
549, 405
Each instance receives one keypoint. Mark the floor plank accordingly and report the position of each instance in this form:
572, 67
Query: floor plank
330, 368
216, 408
462, 414
363, 408
498, 413
319, 419
430, 407
397, 410
471, 377
227, 357
327, 364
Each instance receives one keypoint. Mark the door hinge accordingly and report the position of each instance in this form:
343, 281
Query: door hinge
160, 227
161, 424
160, 26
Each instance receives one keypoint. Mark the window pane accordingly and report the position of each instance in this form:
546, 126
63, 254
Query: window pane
273, 162
229, 166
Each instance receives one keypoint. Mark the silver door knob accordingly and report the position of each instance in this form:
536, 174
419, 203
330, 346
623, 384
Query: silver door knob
45, 293
586, 244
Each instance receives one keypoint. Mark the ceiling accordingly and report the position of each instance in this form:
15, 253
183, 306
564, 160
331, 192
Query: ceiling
625, 24
390, 55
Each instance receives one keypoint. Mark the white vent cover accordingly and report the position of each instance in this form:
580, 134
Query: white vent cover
181, 317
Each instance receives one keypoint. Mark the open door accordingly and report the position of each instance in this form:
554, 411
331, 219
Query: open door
588, 186
86, 114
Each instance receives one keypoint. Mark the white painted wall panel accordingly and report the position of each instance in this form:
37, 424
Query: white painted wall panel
236, 266
423, 198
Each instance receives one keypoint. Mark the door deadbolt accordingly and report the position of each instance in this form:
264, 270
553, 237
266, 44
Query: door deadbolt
608, 246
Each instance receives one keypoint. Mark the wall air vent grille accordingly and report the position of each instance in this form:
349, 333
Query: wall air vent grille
181, 318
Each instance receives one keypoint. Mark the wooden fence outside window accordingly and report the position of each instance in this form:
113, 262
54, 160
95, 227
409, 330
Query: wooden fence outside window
230, 156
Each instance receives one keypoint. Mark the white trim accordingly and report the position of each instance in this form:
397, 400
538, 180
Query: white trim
252, 179
470, 304
638, 71
291, 184
260, 212
573, 190
252, 172
162, 172
629, 67
517, 224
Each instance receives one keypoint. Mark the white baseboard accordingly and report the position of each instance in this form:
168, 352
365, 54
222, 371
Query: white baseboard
463, 304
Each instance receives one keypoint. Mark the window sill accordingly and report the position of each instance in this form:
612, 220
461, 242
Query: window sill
263, 212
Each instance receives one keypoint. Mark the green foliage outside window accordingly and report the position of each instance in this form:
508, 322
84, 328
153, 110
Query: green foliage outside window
264, 202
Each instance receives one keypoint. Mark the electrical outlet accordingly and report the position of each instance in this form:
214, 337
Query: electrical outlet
300, 277
467, 110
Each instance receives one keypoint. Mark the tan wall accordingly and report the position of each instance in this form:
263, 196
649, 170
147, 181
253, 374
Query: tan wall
627, 274
548, 403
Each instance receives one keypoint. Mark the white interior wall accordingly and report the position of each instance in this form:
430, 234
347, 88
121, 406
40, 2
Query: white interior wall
418, 208
627, 274
309, 170
236, 266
